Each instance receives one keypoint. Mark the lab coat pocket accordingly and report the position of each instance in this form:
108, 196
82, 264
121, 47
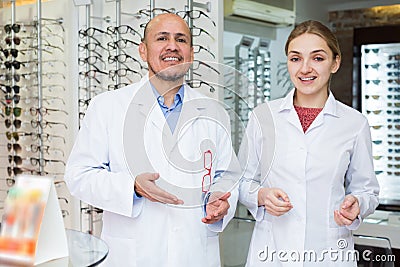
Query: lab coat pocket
122, 252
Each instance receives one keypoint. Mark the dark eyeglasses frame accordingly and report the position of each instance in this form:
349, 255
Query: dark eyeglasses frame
195, 83
196, 65
194, 14
197, 48
121, 43
123, 29
43, 124
44, 111
196, 31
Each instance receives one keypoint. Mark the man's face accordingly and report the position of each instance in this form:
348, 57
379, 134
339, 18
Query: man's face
166, 47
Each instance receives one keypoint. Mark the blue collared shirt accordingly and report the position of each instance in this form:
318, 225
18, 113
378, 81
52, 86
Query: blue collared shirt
171, 113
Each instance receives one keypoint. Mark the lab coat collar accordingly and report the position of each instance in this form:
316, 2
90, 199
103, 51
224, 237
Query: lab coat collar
331, 105
329, 108
146, 102
292, 118
287, 103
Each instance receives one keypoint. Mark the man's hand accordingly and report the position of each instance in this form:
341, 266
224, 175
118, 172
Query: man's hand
275, 201
348, 212
145, 186
217, 207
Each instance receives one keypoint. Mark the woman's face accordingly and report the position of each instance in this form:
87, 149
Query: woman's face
310, 64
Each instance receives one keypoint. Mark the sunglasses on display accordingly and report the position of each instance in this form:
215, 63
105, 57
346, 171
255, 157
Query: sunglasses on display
9, 77
394, 89
376, 112
10, 98
12, 51
395, 57
393, 65
12, 27
393, 120
10, 40
396, 126
397, 104
372, 96
396, 97
374, 66
16, 147
10, 110
18, 170
374, 50
17, 123
376, 82
16, 159
394, 112
14, 64
397, 143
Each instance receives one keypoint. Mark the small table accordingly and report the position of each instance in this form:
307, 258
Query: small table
84, 250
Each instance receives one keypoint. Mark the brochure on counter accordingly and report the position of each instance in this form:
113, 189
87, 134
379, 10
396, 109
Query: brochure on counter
32, 228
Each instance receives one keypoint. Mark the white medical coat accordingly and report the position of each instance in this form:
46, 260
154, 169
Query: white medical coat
316, 169
125, 128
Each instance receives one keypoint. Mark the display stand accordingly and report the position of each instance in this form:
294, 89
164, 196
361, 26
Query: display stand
33, 228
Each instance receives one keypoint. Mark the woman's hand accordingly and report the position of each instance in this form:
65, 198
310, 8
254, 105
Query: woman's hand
275, 201
348, 212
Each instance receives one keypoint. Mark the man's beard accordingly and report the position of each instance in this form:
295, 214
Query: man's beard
169, 77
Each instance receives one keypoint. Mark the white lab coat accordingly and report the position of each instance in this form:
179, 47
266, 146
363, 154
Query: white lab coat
122, 135
312, 169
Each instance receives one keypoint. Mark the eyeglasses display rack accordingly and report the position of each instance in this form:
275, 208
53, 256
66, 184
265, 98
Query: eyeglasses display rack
380, 102
32, 70
247, 84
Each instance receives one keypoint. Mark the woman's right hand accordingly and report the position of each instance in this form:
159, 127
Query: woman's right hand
275, 201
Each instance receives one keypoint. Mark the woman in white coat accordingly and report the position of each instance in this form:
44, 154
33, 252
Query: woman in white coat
321, 183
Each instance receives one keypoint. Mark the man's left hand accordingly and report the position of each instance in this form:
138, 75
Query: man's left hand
348, 212
217, 207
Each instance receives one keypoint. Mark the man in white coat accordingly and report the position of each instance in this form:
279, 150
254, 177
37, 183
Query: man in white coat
156, 156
